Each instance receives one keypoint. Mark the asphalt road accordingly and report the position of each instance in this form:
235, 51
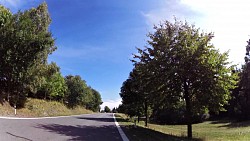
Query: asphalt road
91, 127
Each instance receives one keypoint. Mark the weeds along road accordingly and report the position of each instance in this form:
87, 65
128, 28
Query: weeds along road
91, 127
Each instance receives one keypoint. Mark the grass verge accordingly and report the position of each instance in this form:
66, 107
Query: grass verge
41, 108
219, 130
140, 133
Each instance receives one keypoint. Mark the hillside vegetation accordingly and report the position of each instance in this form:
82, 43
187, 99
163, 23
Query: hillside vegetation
25, 72
41, 108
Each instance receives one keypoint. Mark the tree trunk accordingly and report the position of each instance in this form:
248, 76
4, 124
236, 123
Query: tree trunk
138, 119
188, 110
8, 90
146, 113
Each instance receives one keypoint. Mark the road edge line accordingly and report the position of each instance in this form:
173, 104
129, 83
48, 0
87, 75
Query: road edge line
123, 135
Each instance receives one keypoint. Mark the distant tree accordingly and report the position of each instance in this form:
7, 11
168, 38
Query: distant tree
95, 102
186, 66
114, 110
107, 109
75, 94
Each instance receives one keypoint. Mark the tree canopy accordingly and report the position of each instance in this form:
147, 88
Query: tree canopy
25, 45
181, 64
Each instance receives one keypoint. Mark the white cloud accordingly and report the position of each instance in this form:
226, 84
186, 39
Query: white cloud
168, 10
12, 3
15, 5
228, 19
111, 103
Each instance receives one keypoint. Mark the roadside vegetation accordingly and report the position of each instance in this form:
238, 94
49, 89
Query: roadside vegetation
180, 78
41, 108
211, 130
142, 133
25, 73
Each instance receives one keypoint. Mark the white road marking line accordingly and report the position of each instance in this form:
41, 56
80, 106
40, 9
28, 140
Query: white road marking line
124, 137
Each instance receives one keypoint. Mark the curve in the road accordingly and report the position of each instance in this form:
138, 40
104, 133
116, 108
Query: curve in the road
77, 127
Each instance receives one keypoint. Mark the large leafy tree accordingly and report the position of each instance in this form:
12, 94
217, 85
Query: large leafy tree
25, 40
185, 66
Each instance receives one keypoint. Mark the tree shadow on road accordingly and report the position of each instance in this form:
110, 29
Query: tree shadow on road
84, 133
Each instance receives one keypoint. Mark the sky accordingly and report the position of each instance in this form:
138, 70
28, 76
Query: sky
96, 38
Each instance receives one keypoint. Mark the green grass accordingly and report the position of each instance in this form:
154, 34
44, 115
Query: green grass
140, 133
41, 108
220, 130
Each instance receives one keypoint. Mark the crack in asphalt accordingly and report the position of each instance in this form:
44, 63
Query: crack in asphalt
18, 136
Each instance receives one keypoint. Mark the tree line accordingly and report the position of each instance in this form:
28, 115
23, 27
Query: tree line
25, 43
179, 77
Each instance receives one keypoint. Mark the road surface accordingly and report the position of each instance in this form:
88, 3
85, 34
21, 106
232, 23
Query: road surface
91, 127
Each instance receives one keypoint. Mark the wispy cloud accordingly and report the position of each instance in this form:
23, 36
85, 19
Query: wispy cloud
228, 19
11, 3
85, 52
168, 10
15, 5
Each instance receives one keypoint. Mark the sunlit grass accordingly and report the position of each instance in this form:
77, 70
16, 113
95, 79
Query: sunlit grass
41, 108
219, 130
140, 133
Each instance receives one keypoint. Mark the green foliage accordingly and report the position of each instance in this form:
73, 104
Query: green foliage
215, 130
78, 93
107, 109
181, 65
45, 81
239, 104
132, 98
25, 39
76, 90
25, 45
41, 108
56, 87
95, 101
114, 110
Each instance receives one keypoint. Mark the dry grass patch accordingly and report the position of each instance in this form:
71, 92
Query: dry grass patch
41, 108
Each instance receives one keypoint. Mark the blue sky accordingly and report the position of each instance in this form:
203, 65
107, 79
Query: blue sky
96, 38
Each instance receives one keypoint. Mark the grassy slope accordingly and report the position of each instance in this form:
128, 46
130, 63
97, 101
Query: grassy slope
222, 130
41, 108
